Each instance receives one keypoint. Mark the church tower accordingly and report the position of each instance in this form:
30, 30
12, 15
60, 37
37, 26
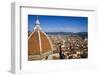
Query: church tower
39, 44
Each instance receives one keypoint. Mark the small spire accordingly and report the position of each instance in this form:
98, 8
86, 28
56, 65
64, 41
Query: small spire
37, 18
37, 21
37, 24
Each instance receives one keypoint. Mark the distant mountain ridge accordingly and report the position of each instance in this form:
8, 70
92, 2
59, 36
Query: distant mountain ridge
81, 34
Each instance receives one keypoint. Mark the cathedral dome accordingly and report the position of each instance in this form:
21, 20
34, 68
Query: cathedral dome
39, 44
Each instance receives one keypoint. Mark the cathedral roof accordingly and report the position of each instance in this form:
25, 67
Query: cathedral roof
38, 41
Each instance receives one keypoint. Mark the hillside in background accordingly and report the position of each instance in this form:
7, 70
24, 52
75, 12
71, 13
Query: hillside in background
81, 34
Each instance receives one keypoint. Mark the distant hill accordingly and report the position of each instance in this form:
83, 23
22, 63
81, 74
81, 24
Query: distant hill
81, 34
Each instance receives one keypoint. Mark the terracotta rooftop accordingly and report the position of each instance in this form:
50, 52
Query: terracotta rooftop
38, 41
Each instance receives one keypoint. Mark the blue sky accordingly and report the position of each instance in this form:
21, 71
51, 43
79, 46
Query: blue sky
59, 23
